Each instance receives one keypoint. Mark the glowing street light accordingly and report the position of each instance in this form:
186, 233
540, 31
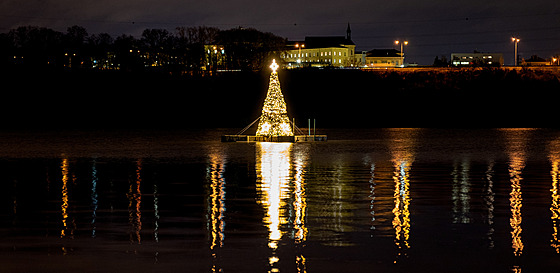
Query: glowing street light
299, 52
515, 41
402, 50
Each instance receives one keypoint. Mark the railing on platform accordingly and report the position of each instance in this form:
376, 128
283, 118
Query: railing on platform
309, 138
297, 138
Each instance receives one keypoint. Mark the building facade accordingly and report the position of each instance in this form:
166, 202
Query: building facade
382, 58
477, 59
335, 51
536, 61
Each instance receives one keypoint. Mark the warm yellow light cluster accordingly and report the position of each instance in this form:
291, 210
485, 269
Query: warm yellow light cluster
274, 119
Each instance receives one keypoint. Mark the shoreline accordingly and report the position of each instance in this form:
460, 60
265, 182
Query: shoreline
409, 97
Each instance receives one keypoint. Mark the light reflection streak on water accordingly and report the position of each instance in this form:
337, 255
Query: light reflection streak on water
402, 145
337, 202
134, 204
516, 149
300, 201
156, 214
216, 206
93, 198
555, 206
273, 172
489, 202
555, 202
461, 192
401, 211
402, 150
300, 207
371, 195
516, 204
216, 201
64, 206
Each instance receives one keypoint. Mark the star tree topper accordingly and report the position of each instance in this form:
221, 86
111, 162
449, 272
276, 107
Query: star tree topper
274, 65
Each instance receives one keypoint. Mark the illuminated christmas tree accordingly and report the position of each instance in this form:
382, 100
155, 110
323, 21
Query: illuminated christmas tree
274, 119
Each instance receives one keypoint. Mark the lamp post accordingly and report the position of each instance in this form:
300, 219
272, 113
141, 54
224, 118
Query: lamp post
515, 41
402, 50
299, 53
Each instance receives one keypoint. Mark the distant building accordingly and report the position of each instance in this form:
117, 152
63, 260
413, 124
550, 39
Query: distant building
214, 57
536, 61
477, 59
320, 51
383, 58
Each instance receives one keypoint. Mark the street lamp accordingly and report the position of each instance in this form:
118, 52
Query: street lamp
515, 41
299, 52
402, 50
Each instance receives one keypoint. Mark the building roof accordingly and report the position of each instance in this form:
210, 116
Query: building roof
536, 59
383, 53
327, 41
323, 42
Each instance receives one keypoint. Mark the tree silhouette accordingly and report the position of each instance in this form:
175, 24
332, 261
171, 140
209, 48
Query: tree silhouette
186, 50
248, 48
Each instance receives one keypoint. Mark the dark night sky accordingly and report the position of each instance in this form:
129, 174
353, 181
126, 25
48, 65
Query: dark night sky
432, 27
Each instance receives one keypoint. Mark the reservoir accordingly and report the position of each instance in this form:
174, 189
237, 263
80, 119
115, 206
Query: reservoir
382, 200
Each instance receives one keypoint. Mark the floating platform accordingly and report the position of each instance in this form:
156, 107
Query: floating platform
293, 139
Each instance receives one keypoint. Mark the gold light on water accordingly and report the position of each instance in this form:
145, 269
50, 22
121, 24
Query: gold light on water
516, 166
216, 201
401, 211
555, 206
402, 149
274, 119
273, 171
64, 206
516, 139
134, 204
273, 178
555, 194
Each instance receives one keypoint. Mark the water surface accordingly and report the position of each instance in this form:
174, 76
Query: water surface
381, 200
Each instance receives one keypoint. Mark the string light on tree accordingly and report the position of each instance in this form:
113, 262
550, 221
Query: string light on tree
274, 119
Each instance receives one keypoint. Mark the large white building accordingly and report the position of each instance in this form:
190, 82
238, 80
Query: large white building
319, 51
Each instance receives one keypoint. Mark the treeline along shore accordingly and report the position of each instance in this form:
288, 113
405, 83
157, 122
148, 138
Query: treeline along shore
335, 98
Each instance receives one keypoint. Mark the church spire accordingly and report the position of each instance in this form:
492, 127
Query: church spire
348, 32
